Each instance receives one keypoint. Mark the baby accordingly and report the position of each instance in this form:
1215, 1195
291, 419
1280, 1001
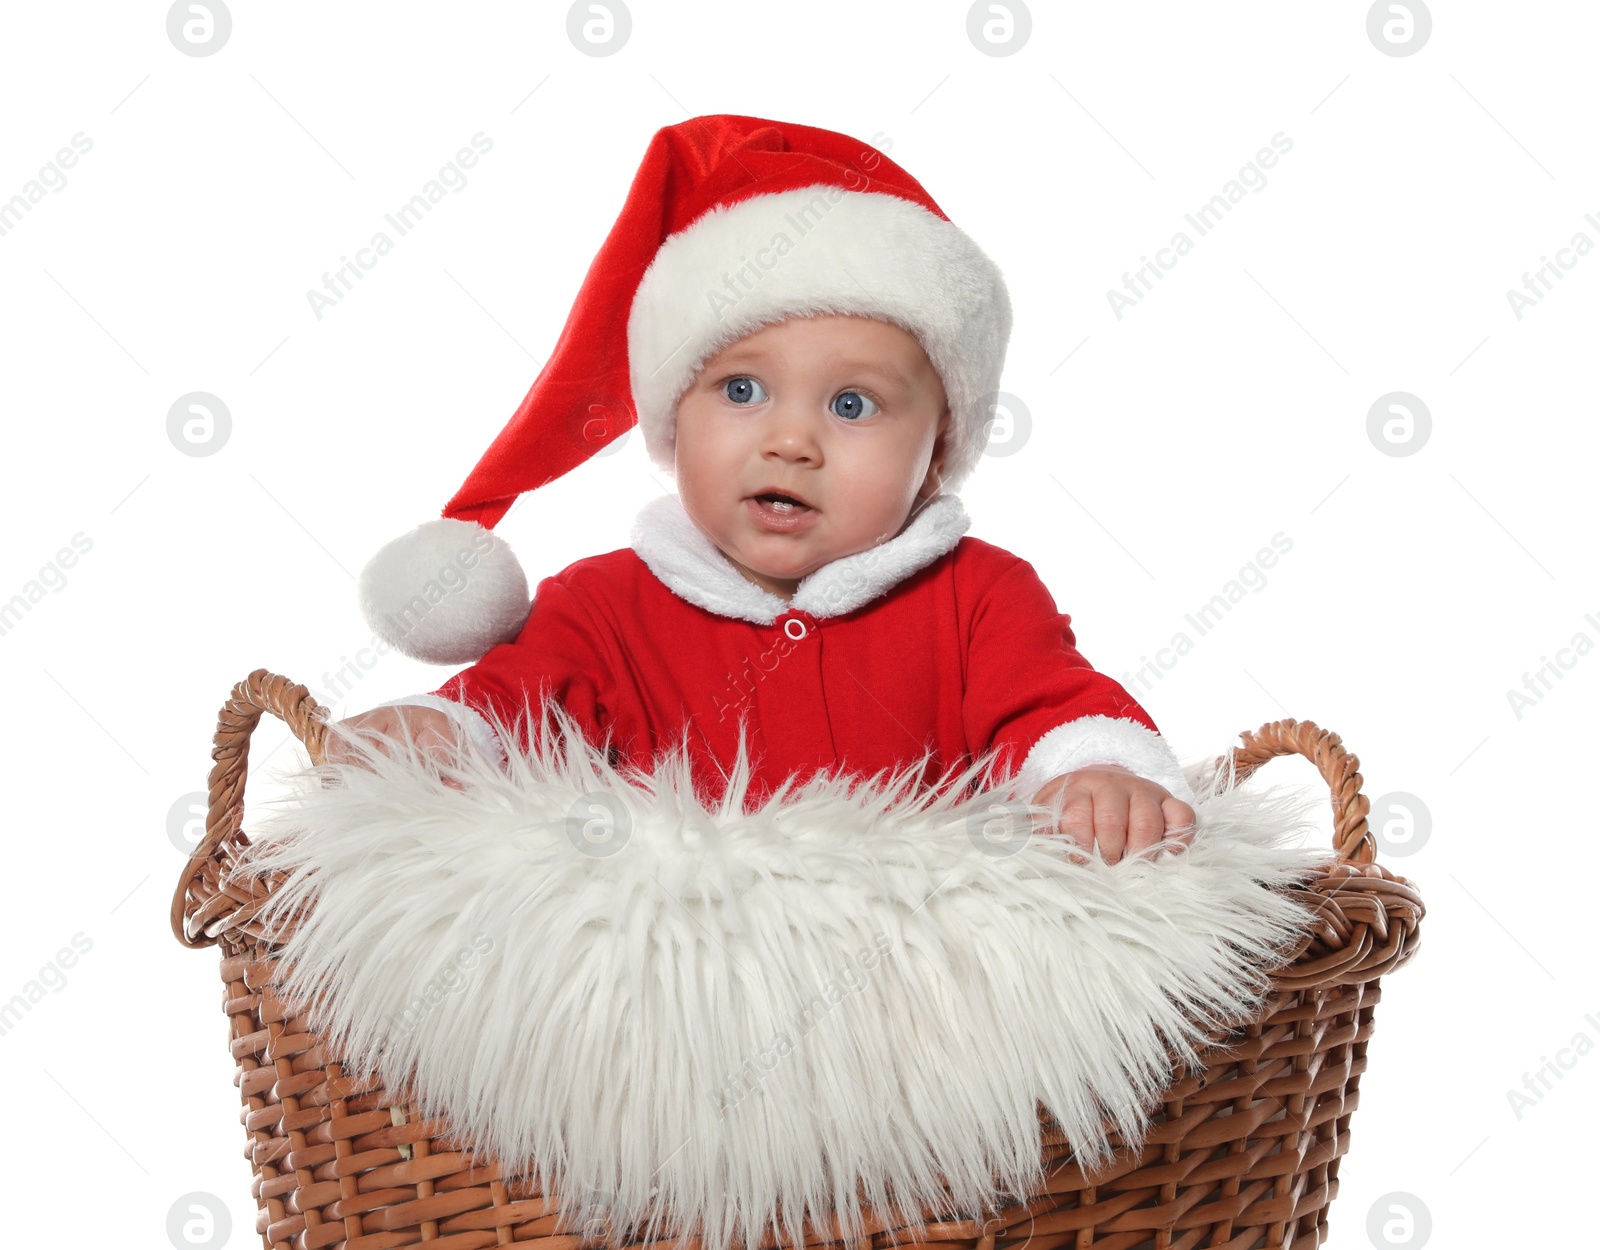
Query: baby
810, 441
809, 347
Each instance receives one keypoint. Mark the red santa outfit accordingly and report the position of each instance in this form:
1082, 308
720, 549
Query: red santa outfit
931, 643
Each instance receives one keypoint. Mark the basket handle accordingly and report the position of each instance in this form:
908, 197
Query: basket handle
1339, 767
260, 692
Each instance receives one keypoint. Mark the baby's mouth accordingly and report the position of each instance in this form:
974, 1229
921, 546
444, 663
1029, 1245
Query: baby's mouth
782, 503
779, 512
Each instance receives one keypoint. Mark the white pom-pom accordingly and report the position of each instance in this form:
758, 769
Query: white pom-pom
446, 592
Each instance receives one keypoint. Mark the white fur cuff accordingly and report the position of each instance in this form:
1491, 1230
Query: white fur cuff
1103, 740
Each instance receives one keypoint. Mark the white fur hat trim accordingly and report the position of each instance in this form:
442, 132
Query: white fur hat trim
818, 250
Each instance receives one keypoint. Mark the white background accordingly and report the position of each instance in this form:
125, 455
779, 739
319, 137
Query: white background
1229, 405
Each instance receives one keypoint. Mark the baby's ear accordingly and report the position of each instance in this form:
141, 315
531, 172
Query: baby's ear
933, 482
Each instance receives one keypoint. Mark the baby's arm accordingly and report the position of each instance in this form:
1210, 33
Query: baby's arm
436, 732
1082, 739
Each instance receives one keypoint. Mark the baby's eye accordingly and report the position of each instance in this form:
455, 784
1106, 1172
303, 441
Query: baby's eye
743, 390
853, 401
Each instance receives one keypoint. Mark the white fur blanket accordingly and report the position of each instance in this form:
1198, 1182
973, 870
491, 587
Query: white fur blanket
732, 1019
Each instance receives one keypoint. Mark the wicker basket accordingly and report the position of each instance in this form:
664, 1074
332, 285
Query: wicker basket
1243, 1153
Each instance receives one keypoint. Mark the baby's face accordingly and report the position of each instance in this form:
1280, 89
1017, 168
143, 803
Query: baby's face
844, 414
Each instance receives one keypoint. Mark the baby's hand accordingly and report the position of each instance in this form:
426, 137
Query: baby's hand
1108, 805
433, 731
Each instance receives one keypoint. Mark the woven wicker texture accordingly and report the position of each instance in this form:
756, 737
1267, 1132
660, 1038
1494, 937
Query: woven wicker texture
1243, 1153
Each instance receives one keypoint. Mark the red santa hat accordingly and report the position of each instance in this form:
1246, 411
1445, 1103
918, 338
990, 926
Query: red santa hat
731, 224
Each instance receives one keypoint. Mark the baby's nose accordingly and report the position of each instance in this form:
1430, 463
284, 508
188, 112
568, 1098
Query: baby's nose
791, 430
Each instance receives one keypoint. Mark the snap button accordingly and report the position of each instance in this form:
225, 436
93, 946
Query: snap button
795, 628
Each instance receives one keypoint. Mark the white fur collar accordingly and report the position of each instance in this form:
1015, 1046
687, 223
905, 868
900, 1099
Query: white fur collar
693, 568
